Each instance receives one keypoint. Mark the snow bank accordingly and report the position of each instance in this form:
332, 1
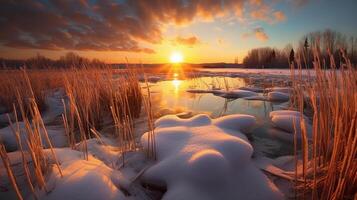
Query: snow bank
291, 121
83, 179
204, 158
278, 96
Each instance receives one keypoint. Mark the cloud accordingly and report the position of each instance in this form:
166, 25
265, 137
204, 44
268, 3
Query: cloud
279, 16
188, 41
258, 33
265, 12
111, 25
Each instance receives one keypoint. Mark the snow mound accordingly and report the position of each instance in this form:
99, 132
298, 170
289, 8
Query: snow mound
204, 158
83, 179
291, 121
236, 94
286, 112
278, 96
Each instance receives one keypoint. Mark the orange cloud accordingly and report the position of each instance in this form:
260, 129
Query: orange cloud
258, 33
189, 41
279, 16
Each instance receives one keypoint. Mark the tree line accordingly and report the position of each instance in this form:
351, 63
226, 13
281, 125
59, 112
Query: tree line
326, 44
69, 60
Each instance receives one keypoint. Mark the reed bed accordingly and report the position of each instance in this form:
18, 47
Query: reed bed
36, 138
41, 81
329, 164
94, 98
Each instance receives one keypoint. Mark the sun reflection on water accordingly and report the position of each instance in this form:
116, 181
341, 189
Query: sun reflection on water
176, 83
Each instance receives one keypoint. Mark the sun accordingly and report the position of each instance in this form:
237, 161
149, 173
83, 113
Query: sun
176, 57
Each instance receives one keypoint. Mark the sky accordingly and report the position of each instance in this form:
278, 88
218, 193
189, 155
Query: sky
149, 31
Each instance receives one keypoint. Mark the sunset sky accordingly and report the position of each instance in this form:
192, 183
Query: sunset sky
149, 31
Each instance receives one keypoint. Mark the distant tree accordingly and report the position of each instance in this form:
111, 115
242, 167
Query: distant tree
265, 57
306, 44
292, 56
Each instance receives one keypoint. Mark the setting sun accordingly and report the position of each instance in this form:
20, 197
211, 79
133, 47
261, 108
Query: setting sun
176, 57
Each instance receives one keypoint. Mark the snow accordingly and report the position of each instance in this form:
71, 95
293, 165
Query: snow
83, 179
278, 96
204, 158
291, 122
260, 72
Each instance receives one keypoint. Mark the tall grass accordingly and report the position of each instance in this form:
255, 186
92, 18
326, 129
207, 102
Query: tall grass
329, 164
94, 98
41, 81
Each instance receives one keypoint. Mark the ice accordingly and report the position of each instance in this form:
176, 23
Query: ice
278, 96
280, 89
251, 88
236, 94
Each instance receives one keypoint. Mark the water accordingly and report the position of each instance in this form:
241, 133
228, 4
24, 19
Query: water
172, 95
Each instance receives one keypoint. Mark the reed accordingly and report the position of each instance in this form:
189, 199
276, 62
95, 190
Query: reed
41, 82
151, 145
6, 161
97, 94
94, 98
329, 165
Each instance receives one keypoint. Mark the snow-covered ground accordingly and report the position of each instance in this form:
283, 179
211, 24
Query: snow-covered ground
255, 71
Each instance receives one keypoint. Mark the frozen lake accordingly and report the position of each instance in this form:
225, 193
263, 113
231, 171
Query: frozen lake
170, 96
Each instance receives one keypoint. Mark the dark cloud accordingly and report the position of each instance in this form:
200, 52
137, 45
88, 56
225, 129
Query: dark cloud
109, 25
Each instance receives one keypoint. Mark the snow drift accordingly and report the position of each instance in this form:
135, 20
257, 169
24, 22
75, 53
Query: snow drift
204, 158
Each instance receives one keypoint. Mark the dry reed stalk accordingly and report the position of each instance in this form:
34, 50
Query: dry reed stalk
19, 144
151, 146
330, 167
92, 95
6, 161
37, 118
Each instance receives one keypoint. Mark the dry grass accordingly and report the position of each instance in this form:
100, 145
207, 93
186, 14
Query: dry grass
15, 80
94, 98
329, 165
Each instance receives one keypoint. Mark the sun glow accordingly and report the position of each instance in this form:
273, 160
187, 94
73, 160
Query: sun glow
176, 57
176, 83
